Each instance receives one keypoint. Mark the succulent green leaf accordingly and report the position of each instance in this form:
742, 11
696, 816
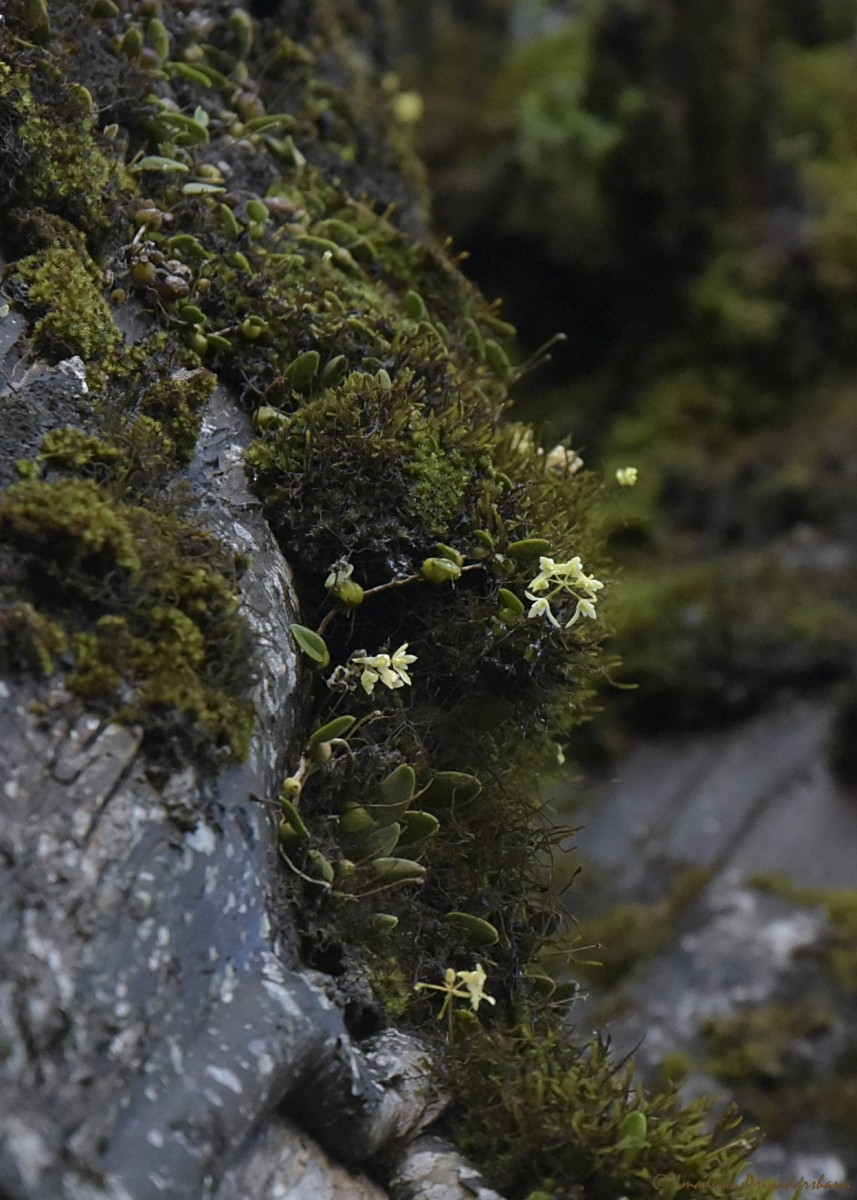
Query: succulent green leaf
227, 221
321, 866
302, 370
191, 314
288, 836
383, 922
415, 306
417, 826
158, 162
378, 843
395, 870
400, 785
397, 793
449, 786
449, 552
333, 729
542, 985
634, 1127
334, 368
312, 644
528, 548
294, 818
440, 570
510, 603
194, 131
200, 188
476, 931
355, 819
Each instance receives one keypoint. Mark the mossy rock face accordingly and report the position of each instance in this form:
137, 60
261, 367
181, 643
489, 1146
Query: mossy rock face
257, 222
715, 317
137, 601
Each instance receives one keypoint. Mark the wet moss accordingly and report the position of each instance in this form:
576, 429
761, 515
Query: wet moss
66, 288
547, 1118
56, 157
143, 605
633, 933
767, 1055
176, 402
712, 640
760, 1044
29, 641
837, 951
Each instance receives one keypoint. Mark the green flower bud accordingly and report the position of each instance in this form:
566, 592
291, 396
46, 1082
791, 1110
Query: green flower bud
350, 593
440, 570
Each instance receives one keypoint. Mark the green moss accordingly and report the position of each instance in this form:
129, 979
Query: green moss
763, 1055
147, 606
28, 640
74, 450
838, 949
759, 1044
74, 525
633, 932
542, 1114
176, 402
66, 288
55, 158
711, 639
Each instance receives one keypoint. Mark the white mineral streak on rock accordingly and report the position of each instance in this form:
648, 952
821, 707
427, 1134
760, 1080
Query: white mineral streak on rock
225, 1078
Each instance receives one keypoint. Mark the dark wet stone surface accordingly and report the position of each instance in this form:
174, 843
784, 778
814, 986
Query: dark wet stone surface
758, 797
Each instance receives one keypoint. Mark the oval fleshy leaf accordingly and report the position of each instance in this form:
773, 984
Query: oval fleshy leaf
395, 870
294, 818
528, 548
312, 644
476, 931
509, 603
449, 786
355, 819
383, 922
333, 729
416, 827
379, 843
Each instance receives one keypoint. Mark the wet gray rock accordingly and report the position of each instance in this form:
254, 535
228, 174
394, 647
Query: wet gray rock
755, 798
156, 1018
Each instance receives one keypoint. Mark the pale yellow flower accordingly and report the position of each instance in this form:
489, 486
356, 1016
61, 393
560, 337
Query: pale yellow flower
556, 578
474, 981
459, 985
391, 670
626, 476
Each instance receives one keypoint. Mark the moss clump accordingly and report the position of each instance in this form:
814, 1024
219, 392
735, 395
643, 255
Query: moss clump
632, 932
321, 474
146, 605
176, 402
766, 1055
64, 285
29, 641
712, 639
544, 1115
74, 450
55, 158
837, 951
759, 1044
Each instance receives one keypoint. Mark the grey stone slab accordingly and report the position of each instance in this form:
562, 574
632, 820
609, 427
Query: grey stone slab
809, 832
761, 760
640, 800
